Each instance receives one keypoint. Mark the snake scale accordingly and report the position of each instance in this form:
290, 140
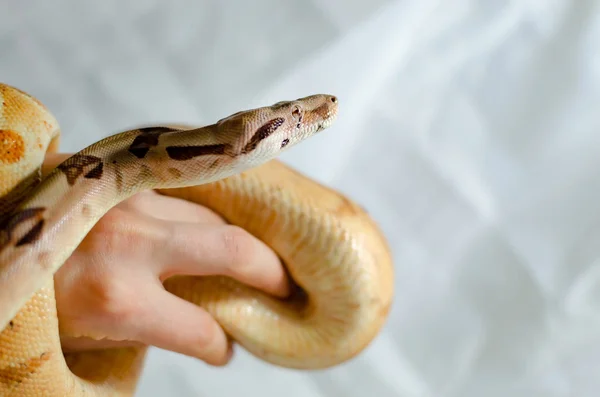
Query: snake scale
332, 249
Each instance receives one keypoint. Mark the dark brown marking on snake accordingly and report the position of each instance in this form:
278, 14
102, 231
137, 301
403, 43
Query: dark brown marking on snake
182, 153
214, 164
262, 133
139, 152
175, 172
8, 227
16, 374
22, 216
119, 179
147, 139
11, 324
145, 174
10, 201
284, 143
75, 165
32, 235
96, 172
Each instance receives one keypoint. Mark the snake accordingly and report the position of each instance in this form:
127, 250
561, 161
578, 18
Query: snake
334, 252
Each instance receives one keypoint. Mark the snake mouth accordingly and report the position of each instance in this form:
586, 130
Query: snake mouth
318, 127
326, 123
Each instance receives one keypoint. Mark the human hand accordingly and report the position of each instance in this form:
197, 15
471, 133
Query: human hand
109, 293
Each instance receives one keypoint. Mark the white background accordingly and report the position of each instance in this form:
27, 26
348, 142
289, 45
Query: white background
468, 129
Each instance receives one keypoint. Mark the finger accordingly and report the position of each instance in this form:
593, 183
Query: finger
171, 323
228, 250
171, 208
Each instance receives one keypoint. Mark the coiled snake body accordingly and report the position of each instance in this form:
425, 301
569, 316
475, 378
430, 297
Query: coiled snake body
332, 249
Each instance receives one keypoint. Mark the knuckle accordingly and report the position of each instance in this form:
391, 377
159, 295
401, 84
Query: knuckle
113, 300
110, 232
238, 246
120, 231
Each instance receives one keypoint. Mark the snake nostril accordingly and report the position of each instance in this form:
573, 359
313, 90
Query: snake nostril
333, 99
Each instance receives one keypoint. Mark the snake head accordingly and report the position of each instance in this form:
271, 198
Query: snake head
264, 132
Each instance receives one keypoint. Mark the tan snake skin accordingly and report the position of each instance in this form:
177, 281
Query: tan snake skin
332, 249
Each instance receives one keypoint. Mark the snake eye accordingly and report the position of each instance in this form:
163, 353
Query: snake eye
297, 113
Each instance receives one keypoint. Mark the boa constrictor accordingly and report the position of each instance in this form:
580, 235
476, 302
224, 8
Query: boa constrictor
333, 251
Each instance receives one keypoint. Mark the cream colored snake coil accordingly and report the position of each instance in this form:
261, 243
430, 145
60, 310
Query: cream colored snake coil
332, 249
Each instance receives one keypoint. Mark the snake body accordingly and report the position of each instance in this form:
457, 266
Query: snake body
333, 251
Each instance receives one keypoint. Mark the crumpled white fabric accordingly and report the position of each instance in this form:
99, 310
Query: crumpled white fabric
468, 129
